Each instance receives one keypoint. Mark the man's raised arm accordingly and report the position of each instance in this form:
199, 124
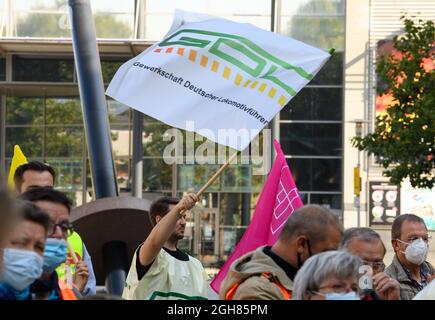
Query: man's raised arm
164, 229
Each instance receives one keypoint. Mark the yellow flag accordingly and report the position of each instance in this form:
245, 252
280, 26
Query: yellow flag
17, 160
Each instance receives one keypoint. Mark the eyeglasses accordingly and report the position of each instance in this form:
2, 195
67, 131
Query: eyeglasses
411, 239
340, 288
376, 266
425, 238
66, 228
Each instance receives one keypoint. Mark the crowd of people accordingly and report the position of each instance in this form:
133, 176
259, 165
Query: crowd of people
43, 258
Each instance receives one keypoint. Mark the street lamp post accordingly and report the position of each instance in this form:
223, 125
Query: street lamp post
356, 171
357, 175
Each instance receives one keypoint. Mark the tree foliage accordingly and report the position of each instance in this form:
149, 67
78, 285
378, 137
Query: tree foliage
403, 139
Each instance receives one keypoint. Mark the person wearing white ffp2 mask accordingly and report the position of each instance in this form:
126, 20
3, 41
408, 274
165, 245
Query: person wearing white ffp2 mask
410, 240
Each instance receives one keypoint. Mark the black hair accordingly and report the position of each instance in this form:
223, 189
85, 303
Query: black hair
47, 194
396, 228
31, 166
160, 207
28, 211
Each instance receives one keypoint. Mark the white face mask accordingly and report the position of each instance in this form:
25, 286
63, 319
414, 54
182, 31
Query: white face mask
416, 252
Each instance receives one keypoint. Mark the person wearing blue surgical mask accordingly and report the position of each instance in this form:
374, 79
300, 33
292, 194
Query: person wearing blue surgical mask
51, 285
55, 253
23, 251
331, 275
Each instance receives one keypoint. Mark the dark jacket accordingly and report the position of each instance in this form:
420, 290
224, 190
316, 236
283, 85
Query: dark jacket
51, 286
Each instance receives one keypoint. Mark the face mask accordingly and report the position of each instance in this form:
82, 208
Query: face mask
21, 268
55, 252
300, 263
416, 252
342, 296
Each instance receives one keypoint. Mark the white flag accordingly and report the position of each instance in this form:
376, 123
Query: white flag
221, 79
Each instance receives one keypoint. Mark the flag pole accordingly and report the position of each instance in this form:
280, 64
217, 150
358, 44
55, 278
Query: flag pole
216, 175
71, 251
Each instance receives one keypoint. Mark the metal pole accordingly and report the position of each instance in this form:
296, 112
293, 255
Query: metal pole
275, 124
3, 175
358, 133
137, 162
358, 208
95, 117
115, 259
137, 154
92, 97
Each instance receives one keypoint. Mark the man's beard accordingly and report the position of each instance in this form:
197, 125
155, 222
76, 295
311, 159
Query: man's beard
175, 237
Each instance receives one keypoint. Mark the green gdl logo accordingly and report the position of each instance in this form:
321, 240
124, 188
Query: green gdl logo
259, 57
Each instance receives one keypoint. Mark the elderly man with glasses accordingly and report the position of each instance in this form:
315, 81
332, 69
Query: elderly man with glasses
367, 244
410, 240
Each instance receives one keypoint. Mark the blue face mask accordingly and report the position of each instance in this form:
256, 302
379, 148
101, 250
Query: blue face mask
342, 296
21, 268
54, 254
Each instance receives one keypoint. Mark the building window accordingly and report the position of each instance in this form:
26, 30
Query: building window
319, 23
159, 14
30, 68
2, 69
49, 19
311, 139
109, 67
311, 124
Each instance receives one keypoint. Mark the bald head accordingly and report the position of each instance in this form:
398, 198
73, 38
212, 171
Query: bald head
313, 221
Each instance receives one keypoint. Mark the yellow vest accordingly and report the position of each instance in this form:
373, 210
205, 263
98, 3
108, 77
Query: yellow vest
76, 243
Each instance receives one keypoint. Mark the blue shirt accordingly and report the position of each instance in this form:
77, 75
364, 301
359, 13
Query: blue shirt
9, 293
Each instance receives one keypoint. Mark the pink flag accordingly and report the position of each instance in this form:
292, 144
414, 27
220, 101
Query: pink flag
278, 200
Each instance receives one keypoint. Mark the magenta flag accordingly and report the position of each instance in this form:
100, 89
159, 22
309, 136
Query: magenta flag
278, 200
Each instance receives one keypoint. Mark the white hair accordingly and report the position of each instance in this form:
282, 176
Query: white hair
321, 266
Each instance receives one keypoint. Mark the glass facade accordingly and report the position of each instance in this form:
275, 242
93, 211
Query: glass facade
311, 125
49, 18
49, 126
159, 13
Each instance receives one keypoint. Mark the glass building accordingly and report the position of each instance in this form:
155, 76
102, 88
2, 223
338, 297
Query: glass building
40, 107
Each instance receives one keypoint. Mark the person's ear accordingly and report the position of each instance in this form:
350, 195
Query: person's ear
158, 218
396, 245
301, 244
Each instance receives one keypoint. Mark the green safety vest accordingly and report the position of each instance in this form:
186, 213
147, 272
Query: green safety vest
76, 243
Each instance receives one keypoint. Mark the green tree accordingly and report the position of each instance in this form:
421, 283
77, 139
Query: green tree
403, 140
